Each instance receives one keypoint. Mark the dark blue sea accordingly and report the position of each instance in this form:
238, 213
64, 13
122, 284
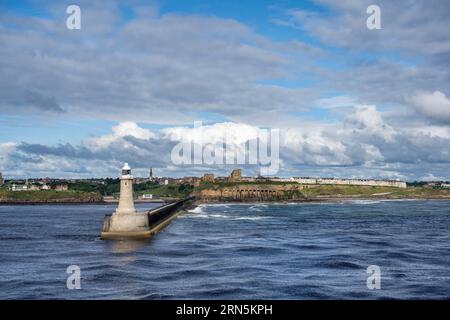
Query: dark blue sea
262, 251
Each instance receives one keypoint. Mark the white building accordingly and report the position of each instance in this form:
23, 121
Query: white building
351, 182
18, 187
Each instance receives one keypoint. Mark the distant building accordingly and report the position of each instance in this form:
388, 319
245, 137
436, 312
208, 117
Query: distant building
352, 182
235, 176
2, 181
445, 185
61, 187
150, 176
165, 181
18, 187
139, 180
208, 177
190, 180
147, 196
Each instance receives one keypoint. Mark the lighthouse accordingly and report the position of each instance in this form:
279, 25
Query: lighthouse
128, 223
126, 202
126, 218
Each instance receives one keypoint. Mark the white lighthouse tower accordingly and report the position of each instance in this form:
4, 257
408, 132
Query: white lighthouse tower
126, 202
126, 218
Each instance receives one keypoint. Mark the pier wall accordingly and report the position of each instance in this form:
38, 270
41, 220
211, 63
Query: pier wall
158, 218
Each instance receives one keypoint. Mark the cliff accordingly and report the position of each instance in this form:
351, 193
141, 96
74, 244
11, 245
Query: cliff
251, 192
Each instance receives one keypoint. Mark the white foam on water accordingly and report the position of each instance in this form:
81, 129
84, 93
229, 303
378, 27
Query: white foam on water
203, 215
198, 209
198, 212
249, 218
218, 216
362, 201
400, 200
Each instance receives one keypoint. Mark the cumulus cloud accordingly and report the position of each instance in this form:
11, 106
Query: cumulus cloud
363, 145
235, 133
121, 131
434, 105
368, 120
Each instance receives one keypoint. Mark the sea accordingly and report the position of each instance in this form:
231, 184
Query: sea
296, 251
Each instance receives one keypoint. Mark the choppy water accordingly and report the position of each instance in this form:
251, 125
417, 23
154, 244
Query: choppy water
285, 251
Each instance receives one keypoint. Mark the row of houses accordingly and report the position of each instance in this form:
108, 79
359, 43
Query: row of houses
352, 182
36, 187
348, 182
438, 184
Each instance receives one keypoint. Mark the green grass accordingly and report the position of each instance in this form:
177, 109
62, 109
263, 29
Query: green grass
167, 191
48, 196
374, 192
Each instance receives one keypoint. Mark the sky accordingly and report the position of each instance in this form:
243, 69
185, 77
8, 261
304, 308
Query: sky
131, 83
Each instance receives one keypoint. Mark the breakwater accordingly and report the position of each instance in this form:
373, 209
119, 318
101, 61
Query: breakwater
157, 219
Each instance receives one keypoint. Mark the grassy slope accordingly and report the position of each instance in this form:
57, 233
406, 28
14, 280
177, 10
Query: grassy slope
167, 191
376, 192
48, 196
313, 191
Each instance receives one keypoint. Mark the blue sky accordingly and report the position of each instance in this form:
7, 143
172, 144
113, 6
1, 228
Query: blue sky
346, 99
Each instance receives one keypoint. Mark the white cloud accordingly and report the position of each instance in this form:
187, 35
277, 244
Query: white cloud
368, 120
235, 133
434, 105
124, 129
364, 145
6, 149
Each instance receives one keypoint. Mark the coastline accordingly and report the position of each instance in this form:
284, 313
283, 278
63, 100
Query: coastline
37, 203
50, 203
319, 199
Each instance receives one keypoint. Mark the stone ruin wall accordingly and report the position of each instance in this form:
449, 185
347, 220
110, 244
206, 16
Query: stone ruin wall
254, 193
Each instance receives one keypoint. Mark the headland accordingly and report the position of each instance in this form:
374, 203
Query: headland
207, 189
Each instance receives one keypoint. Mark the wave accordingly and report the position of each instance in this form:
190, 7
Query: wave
362, 201
200, 215
203, 215
249, 218
198, 209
